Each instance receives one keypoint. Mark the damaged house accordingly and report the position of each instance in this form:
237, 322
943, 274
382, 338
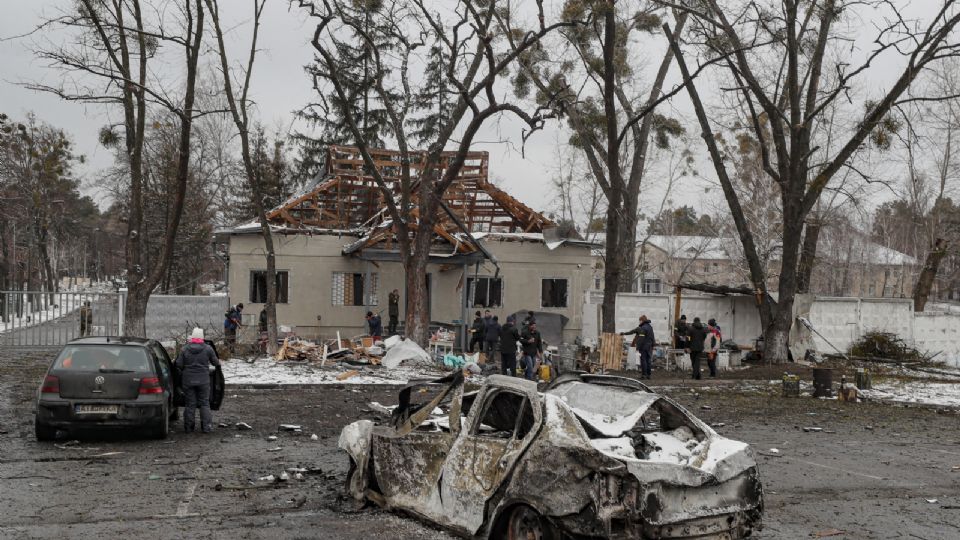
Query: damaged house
337, 256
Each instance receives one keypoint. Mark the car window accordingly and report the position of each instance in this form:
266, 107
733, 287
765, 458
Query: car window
502, 414
101, 357
526, 420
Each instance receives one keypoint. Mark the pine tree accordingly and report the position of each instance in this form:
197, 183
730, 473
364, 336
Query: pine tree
326, 117
435, 102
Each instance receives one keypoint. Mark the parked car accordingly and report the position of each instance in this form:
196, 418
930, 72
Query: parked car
113, 382
589, 456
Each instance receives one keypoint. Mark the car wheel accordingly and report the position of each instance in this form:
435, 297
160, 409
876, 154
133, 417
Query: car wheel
44, 432
525, 523
162, 430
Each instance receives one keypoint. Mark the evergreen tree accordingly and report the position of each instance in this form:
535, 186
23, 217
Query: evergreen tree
436, 101
327, 116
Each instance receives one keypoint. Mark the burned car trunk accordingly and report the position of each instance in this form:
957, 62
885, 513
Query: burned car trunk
589, 456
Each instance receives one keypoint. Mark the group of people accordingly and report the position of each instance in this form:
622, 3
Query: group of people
698, 340
487, 334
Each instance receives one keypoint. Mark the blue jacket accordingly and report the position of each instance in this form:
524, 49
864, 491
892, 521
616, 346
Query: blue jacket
376, 326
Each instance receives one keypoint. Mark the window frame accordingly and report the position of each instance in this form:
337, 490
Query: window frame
472, 296
283, 293
369, 298
566, 292
525, 403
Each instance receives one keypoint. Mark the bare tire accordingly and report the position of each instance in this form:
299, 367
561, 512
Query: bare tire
162, 429
43, 431
525, 523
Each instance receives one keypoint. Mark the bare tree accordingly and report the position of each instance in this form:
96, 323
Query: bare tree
472, 61
775, 53
239, 110
113, 47
612, 119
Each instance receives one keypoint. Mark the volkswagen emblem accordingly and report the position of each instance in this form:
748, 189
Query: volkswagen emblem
99, 380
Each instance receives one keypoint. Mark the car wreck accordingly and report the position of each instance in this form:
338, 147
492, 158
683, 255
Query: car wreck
588, 456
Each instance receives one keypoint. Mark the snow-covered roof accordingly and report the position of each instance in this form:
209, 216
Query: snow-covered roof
691, 247
253, 227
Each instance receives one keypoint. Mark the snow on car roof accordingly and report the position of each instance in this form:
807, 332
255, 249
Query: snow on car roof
611, 410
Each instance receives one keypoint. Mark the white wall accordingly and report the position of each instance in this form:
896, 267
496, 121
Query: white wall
839, 321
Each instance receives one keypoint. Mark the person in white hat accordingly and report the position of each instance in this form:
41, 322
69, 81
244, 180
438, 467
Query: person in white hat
194, 362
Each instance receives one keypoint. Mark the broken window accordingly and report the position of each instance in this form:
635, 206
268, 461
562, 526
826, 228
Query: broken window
506, 414
349, 289
553, 292
484, 292
258, 286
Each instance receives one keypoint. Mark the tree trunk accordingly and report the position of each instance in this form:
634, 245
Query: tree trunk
808, 256
612, 269
135, 312
628, 245
929, 274
417, 318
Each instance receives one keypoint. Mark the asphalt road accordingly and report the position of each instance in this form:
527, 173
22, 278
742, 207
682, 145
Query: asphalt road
870, 472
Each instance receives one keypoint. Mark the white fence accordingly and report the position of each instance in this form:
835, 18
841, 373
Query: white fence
841, 321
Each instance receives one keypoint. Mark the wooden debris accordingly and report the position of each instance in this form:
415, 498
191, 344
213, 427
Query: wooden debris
347, 374
611, 351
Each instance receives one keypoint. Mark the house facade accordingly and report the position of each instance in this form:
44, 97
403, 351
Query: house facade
334, 268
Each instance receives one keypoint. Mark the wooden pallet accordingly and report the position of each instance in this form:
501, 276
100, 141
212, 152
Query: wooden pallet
611, 352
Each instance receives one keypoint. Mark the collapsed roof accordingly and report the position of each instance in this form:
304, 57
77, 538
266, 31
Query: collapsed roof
346, 197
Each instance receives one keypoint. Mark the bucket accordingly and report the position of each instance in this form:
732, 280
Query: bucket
791, 386
822, 382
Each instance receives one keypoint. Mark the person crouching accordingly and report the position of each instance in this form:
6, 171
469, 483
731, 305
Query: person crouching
195, 362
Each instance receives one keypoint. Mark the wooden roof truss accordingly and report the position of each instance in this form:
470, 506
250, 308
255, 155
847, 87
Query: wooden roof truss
348, 198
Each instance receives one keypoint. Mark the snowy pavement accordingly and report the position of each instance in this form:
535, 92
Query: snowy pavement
944, 394
238, 371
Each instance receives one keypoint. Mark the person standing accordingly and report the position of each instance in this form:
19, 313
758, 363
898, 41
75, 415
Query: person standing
528, 320
532, 350
509, 337
491, 336
376, 326
713, 345
263, 320
697, 335
680, 330
476, 333
231, 323
195, 362
86, 319
643, 340
393, 310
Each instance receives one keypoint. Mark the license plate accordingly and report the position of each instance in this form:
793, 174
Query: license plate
97, 409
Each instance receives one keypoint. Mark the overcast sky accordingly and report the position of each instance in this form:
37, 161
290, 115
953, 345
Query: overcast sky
280, 86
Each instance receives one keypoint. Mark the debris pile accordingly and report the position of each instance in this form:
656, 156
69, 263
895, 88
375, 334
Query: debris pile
361, 350
884, 346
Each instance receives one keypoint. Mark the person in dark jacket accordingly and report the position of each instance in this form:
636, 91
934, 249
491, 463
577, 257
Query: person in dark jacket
680, 330
376, 325
532, 350
263, 320
509, 337
393, 310
528, 320
195, 363
491, 336
476, 333
232, 321
697, 335
644, 341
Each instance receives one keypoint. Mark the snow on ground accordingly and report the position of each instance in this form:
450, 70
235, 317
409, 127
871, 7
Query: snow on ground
269, 371
916, 392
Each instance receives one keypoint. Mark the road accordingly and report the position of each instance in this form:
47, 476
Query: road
869, 473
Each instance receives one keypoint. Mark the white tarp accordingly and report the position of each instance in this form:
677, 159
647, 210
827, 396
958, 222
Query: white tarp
405, 351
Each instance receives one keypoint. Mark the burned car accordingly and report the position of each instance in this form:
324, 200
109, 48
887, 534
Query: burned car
588, 456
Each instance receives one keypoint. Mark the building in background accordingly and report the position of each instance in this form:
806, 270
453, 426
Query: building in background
337, 257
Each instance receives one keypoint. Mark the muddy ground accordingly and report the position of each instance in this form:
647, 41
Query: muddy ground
869, 473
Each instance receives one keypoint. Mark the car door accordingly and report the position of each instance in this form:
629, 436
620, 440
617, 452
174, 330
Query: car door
499, 428
217, 383
173, 376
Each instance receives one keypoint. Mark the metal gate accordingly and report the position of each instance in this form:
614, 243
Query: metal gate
49, 319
